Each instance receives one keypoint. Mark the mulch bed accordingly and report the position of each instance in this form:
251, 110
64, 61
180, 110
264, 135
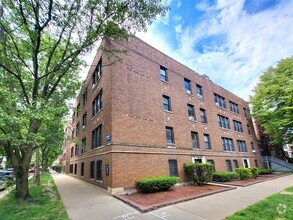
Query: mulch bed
147, 202
259, 179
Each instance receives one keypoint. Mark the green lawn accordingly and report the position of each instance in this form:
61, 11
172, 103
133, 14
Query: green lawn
278, 206
44, 204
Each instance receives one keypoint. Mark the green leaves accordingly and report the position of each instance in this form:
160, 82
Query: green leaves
273, 101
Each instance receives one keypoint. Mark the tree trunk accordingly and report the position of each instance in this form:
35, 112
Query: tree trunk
37, 168
45, 166
21, 174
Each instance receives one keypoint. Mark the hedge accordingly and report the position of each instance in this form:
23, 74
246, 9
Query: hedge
244, 173
200, 173
224, 176
265, 171
156, 184
254, 172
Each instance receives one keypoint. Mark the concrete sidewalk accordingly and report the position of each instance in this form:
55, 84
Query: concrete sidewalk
85, 201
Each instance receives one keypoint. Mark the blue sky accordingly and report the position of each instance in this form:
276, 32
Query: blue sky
231, 41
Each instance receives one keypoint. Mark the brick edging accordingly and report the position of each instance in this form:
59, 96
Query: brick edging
143, 209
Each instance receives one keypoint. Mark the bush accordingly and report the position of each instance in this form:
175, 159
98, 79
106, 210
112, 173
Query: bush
254, 172
225, 176
200, 173
156, 184
57, 168
265, 171
244, 173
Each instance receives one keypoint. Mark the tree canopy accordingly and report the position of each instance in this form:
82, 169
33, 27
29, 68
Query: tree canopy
273, 101
42, 43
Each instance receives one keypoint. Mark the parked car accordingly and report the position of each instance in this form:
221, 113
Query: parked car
8, 174
3, 182
31, 170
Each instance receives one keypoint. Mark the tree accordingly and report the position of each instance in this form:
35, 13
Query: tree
42, 43
273, 101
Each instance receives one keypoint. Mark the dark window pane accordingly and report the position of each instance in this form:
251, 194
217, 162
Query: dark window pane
173, 168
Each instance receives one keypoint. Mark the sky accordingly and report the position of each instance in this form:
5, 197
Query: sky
231, 41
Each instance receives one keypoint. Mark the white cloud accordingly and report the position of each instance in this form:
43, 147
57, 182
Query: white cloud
250, 43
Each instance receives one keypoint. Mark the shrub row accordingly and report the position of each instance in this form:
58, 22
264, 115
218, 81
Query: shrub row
199, 173
225, 176
244, 173
265, 171
156, 184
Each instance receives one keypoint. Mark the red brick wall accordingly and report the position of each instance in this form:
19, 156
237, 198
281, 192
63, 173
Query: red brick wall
133, 114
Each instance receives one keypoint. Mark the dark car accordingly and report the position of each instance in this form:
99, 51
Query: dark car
7, 173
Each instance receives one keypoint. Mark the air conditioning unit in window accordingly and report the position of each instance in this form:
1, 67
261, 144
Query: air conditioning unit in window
253, 151
199, 96
217, 104
188, 92
93, 86
83, 127
191, 118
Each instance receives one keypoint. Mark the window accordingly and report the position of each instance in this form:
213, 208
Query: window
252, 146
194, 138
84, 120
229, 166
71, 152
203, 116
97, 103
256, 163
227, 144
71, 168
236, 165
92, 169
207, 142
166, 103
187, 86
223, 122
245, 113
82, 169
220, 101
76, 150
173, 168
248, 130
234, 107
83, 145
163, 73
73, 116
75, 168
98, 73
77, 129
199, 91
191, 114
238, 126
169, 135
99, 165
77, 109
241, 146
97, 137
84, 97
73, 132
246, 163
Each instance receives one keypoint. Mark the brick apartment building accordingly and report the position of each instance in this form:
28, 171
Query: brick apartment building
145, 114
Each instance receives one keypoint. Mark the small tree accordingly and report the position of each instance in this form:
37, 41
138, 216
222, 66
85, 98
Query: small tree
200, 173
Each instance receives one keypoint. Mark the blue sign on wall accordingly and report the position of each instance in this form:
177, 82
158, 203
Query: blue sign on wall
108, 137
